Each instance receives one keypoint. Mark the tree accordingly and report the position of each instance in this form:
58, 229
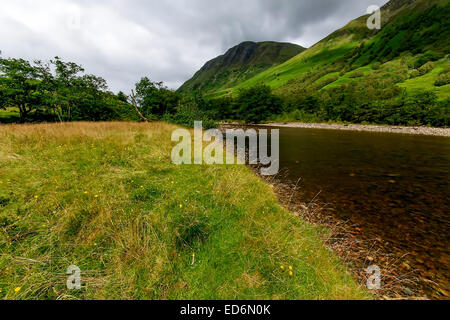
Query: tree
155, 99
58, 90
122, 96
18, 85
258, 104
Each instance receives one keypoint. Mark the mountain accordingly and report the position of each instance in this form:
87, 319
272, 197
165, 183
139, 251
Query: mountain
239, 64
411, 52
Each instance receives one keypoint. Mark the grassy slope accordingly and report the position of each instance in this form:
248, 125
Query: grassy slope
227, 70
325, 52
105, 197
331, 51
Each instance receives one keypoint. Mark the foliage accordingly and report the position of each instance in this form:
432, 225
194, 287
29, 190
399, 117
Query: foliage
258, 104
426, 68
443, 79
155, 99
57, 91
377, 101
187, 113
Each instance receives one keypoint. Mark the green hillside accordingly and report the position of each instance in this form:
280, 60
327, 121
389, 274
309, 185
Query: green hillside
414, 34
239, 64
409, 53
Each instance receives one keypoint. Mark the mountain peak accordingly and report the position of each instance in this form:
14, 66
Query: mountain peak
241, 62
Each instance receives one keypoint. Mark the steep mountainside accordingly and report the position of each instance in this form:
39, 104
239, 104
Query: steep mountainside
411, 49
239, 64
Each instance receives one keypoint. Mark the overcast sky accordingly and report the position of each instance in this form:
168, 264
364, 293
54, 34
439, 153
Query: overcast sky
166, 40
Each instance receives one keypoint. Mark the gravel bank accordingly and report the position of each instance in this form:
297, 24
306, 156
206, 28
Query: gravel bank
443, 132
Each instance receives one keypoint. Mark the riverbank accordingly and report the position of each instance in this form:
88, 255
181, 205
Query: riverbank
355, 248
107, 198
443, 132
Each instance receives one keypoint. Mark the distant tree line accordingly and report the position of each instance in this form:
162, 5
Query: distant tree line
61, 91
365, 102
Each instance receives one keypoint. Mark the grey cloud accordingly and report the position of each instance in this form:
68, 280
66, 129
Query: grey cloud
167, 40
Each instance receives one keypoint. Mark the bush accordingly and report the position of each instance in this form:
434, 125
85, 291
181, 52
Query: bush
443, 79
376, 66
187, 113
428, 56
357, 74
426, 68
327, 81
414, 74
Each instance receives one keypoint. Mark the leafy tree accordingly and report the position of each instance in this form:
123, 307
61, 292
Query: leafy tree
18, 85
188, 112
122, 96
57, 90
155, 99
257, 104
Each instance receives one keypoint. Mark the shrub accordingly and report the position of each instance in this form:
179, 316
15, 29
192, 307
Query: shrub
187, 113
376, 66
414, 74
357, 74
426, 68
327, 81
443, 79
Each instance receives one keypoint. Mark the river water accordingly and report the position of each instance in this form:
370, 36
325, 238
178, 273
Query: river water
396, 187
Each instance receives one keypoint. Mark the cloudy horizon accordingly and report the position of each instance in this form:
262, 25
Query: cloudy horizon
166, 40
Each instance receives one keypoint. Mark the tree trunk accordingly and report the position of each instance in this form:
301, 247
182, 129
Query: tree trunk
133, 98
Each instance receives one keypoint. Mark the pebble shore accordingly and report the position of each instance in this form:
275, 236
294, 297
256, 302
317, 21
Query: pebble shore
429, 131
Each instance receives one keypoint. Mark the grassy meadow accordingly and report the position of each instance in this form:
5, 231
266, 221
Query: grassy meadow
106, 198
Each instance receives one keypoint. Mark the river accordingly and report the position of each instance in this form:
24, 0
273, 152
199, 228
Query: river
395, 187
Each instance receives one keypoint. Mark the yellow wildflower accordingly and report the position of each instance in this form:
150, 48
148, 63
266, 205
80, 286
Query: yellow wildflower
282, 267
17, 289
290, 268
291, 273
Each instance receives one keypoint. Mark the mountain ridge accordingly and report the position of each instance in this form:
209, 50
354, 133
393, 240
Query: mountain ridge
240, 63
410, 28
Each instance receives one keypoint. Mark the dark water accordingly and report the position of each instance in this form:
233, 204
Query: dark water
396, 186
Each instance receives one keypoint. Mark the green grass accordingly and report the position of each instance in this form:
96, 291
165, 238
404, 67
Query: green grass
306, 62
9, 115
106, 197
427, 81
